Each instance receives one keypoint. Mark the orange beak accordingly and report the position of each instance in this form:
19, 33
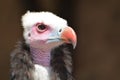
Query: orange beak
69, 36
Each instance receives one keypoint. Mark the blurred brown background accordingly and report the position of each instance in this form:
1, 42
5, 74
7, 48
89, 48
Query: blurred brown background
96, 22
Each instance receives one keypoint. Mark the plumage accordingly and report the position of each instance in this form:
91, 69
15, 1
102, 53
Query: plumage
45, 53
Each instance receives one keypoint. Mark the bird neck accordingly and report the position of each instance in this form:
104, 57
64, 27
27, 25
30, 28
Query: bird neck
41, 57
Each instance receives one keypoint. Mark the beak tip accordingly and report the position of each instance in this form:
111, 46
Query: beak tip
69, 36
74, 44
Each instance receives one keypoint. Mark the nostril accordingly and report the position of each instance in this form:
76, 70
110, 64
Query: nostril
60, 30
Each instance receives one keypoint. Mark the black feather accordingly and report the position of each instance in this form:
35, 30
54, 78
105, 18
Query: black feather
58, 63
21, 62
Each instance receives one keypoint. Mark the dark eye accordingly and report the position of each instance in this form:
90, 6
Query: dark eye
42, 27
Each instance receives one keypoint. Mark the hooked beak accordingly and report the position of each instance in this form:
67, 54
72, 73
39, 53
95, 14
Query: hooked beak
69, 36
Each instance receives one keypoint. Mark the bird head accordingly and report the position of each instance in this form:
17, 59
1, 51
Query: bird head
45, 28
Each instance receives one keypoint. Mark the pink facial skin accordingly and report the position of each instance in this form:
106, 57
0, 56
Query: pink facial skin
39, 37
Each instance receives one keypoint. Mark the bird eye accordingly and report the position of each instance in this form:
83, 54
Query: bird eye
41, 28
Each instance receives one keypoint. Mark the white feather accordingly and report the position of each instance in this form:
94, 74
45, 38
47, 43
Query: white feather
41, 73
48, 18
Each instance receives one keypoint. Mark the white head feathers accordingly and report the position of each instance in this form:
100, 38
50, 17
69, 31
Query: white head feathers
48, 18
30, 18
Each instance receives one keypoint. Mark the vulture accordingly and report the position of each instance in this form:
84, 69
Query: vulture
45, 52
